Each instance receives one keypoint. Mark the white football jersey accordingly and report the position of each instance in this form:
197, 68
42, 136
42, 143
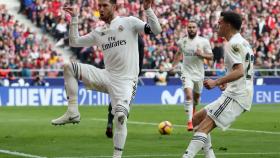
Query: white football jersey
118, 41
193, 66
239, 51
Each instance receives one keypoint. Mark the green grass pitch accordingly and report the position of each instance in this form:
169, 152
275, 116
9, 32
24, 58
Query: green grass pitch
28, 130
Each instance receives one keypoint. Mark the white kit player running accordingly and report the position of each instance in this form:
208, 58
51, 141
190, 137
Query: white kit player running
237, 86
194, 49
118, 40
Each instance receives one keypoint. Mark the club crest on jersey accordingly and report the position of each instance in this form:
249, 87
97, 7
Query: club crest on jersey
121, 28
236, 48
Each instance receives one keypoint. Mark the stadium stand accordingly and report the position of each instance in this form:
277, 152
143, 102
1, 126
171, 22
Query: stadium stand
261, 27
23, 50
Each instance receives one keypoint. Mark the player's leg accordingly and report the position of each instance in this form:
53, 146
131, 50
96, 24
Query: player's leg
109, 129
189, 107
120, 131
196, 100
197, 89
203, 125
121, 98
200, 137
221, 113
207, 148
72, 72
92, 77
197, 119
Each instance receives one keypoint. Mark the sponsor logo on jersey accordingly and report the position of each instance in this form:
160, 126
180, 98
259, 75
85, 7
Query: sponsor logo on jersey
113, 44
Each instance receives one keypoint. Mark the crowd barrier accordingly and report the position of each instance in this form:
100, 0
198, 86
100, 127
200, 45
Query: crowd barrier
56, 96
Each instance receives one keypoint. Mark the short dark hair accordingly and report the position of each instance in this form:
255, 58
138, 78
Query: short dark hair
113, 1
193, 21
233, 18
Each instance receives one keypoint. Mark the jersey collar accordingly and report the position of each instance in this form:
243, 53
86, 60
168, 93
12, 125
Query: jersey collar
235, 36
115, 19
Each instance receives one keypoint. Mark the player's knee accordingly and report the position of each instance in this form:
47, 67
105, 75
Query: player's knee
189, 97
206, 125
67, 66
120, 119
121, 114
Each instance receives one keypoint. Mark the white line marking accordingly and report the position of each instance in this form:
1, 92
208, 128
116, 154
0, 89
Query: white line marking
184, 126
177, 155
19, 154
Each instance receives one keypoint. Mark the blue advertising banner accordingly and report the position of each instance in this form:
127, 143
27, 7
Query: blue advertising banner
56, 96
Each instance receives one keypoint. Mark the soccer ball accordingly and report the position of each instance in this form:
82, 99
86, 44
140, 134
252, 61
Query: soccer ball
165, 128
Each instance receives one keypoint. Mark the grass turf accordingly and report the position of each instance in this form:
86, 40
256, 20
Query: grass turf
28, 130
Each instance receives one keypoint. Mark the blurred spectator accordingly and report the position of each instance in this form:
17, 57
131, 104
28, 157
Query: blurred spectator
39, 81
261, 26
21, 49
161, 77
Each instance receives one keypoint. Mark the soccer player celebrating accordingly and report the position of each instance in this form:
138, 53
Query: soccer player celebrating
237, 85
194, 49
118, 40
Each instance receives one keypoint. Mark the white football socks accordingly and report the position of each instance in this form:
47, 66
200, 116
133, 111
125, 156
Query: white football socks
120, 134
71, 87
189, 109
207, 148
196, 144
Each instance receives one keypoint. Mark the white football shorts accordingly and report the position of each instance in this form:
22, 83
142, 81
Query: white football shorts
196, 86
224, 111
121, 91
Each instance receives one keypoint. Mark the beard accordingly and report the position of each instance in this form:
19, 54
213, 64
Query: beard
192, 35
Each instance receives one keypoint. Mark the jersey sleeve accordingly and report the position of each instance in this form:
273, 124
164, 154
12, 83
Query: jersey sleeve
137, 24
207, 47
234, 54
75, 40
152, 26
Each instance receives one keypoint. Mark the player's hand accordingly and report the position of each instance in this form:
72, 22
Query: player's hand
209, 84
199, 52
223, 87
73, 11
147, 4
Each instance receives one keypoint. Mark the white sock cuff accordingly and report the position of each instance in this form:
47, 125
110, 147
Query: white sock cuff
187, 105
188, 102
199, 136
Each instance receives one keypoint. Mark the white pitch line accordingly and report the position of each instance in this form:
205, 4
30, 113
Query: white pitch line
15, 153
184, 126
176, 155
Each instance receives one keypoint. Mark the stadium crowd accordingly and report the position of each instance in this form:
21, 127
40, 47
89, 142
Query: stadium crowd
261, 27
22, 49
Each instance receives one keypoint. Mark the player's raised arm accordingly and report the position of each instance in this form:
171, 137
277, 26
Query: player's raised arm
152, 26
75, 40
